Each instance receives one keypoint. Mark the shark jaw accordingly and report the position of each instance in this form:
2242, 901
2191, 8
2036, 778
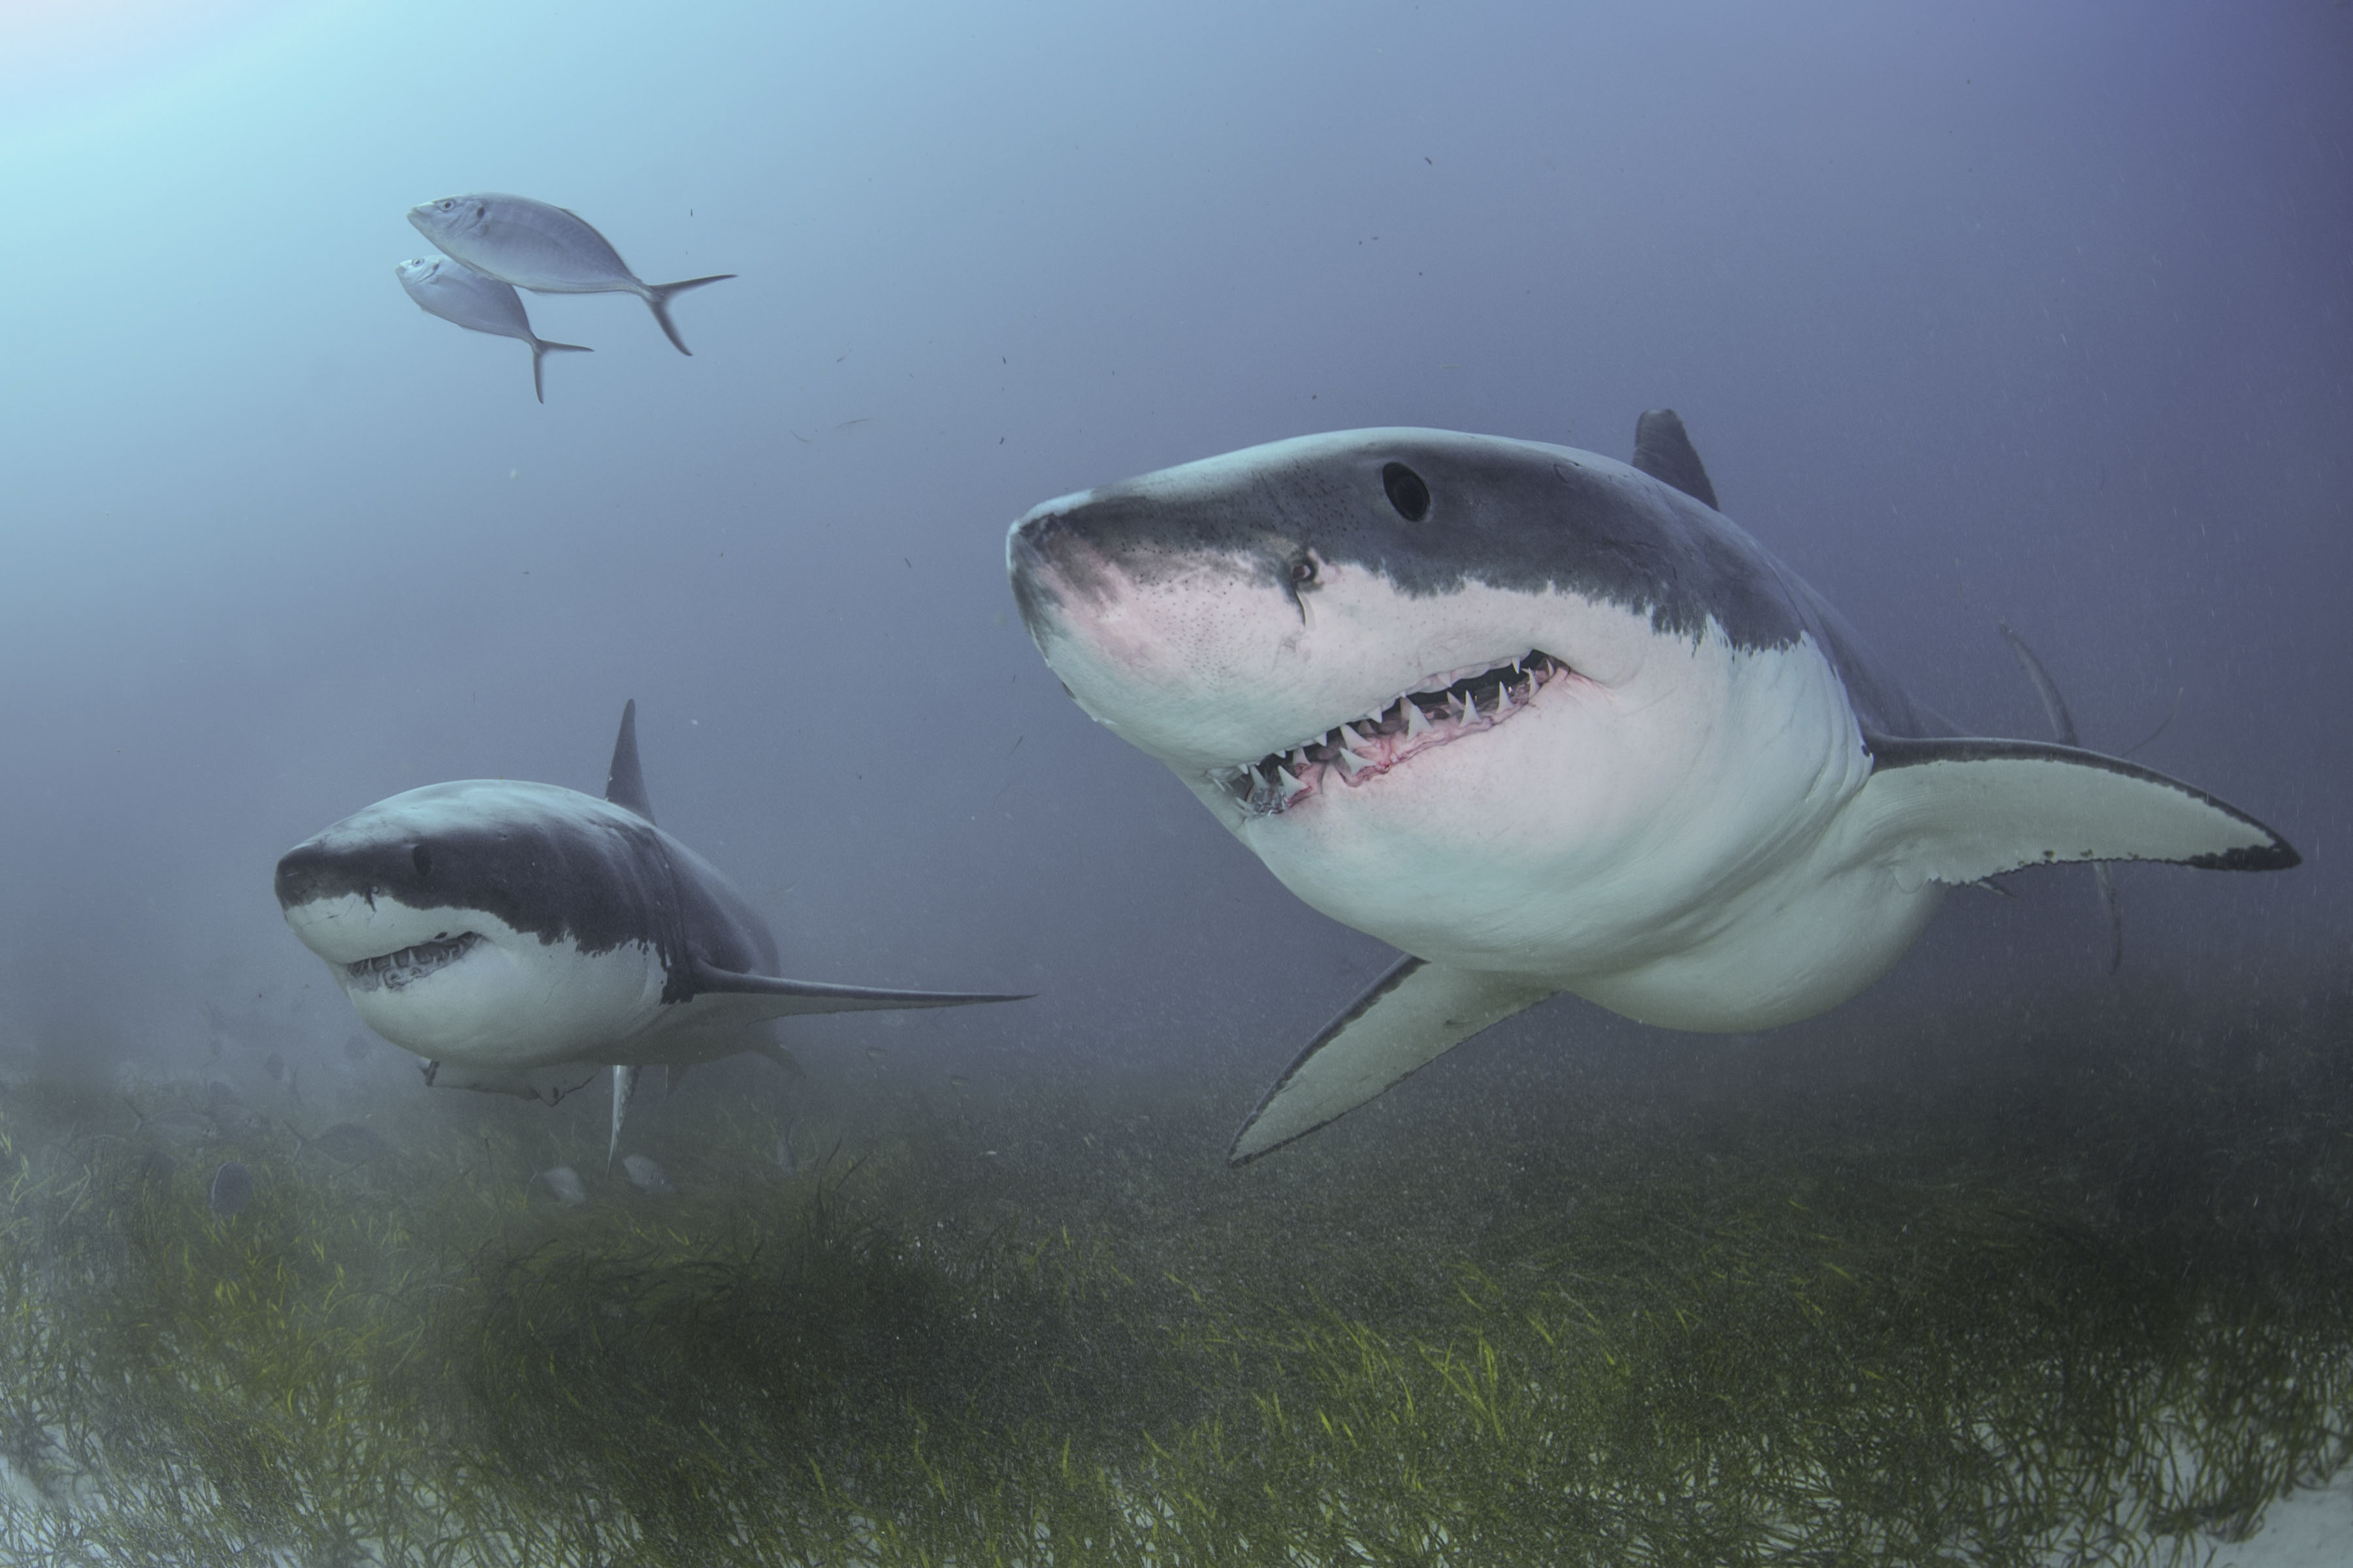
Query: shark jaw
399, 970
462, 986
1442, 712
1521, 781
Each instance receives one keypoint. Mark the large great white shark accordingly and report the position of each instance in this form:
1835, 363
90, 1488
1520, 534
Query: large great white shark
1547, 722
515, 933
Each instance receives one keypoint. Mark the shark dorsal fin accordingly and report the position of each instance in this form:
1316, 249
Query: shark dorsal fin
1664, 452
625, 781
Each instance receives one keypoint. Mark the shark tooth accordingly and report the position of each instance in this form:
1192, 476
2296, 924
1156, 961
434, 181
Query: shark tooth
1469, 709
1351, 764
1417, 722
1285, 782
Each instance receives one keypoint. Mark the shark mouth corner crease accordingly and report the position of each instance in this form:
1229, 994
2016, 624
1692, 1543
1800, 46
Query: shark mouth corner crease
1365, 748
394, 970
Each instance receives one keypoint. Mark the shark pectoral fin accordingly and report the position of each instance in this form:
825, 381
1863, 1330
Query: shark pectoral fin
1956, 811
757, 996
1413, 1013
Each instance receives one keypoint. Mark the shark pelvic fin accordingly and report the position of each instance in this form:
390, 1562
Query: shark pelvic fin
625, 1084
625, 780
1663, 451
1958, 810
1412, 1014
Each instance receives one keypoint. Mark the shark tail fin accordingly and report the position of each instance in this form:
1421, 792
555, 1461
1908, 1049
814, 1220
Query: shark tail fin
2062, 729
539, 349
1412, 1014
625, 780
787, 1063
657, 299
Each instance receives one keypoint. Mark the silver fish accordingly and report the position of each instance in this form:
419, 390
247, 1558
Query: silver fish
457, 293
649, 1176
565, 1184
232, 1187
544, 249
787, 1161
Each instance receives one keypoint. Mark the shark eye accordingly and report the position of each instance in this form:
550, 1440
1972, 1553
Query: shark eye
422, 858
1407, 493
1303, 572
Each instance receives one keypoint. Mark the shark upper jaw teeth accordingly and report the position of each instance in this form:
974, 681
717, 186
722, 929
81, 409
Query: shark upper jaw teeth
1365, 748
398, 971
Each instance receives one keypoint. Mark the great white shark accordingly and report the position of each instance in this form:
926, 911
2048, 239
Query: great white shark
1547, 722
500, 928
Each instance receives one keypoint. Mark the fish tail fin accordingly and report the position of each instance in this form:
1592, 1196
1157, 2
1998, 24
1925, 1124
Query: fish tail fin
657, 299
539, 349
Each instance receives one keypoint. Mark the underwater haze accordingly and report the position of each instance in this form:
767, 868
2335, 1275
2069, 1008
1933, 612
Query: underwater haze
1979, 314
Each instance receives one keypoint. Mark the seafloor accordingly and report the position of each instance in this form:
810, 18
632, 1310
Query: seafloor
2062, 1282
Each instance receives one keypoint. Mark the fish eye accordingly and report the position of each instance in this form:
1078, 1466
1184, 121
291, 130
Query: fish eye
1407, 493
446, 203
422, 858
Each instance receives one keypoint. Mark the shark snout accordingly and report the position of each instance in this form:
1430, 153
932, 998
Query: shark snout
335, 864
1049, 559
308, 872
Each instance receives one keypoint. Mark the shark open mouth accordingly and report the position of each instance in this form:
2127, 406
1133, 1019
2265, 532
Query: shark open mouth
1365, 748
397, 970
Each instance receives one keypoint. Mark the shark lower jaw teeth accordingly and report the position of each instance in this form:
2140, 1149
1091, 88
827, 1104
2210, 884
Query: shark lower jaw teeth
1365, 748
398, 971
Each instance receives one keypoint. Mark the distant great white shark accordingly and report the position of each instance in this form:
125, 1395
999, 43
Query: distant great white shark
1547, 722
500, 930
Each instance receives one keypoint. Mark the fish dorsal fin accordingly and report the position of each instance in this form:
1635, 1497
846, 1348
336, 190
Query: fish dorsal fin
625, 781
1664, 452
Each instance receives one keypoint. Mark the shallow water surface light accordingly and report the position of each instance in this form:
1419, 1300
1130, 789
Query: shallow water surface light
1983, 317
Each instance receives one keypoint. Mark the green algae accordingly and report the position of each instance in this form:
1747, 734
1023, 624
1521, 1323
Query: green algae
2067, 1286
